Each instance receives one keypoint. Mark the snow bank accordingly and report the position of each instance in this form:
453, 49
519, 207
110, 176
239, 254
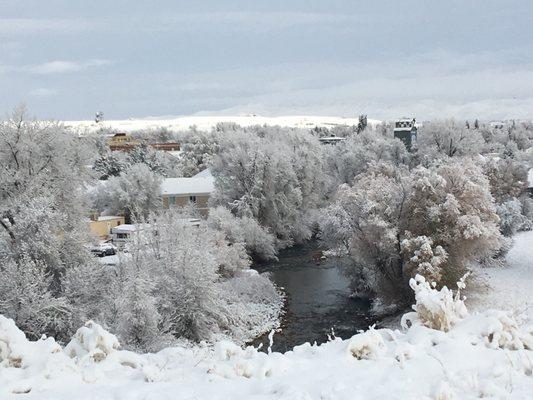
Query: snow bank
469, 356
508, 287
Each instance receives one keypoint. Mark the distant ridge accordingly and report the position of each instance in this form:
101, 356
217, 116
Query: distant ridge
208, 122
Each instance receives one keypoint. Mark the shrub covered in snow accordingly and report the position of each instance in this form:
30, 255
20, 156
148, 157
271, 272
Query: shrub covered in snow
93, 341
436, 309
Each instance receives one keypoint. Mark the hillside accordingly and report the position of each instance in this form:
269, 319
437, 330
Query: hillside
208, 122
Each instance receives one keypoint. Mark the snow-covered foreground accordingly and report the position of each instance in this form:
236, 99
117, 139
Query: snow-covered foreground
510, 287
442, 353
207, 122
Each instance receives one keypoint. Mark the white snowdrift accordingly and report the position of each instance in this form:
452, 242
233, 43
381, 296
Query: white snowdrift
509, 288
480, 355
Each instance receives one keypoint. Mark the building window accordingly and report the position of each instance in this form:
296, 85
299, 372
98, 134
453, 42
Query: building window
192, 199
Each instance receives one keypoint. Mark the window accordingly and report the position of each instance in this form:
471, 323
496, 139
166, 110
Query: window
192, 199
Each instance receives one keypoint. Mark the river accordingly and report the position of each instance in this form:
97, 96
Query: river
318, 299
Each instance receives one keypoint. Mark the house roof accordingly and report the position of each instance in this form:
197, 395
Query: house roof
108, 217
188, 186
530, 178
124, 228
206, 173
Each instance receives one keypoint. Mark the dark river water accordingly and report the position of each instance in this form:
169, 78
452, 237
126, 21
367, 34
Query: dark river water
318, 299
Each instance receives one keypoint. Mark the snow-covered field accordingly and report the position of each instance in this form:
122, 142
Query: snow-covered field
509, 287
483, 354
207, 122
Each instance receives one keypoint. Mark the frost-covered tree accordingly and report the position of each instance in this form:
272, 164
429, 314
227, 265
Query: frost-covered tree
183, 281
197, 149
110, 163
42, 220
243, 230
448, 138
159, 162
27, 297
276, 179
395, 223
138, 321
512, 217
507, 178
135, 192
41, 202
362, 124
353, 156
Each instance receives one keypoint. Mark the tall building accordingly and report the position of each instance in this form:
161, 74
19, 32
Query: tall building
405, 129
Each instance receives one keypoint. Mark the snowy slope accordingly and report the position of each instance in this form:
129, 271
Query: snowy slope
208, 122
510, 287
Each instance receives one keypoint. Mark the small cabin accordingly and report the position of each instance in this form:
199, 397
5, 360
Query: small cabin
406, 130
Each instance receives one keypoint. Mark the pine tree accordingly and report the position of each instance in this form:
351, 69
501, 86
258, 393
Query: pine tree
363, 121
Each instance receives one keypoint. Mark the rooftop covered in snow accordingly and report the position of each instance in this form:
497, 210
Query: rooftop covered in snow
201, 184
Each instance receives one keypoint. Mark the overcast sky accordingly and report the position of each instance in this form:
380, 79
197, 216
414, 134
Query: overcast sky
67, 59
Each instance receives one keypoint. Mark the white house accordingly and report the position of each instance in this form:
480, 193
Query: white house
181, 191
122, 233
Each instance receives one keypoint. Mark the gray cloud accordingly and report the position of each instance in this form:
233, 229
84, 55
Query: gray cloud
339, 57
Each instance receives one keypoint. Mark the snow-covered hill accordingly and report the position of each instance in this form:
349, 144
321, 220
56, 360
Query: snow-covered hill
208, 122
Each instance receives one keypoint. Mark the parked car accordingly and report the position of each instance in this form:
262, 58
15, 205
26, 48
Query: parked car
104, 249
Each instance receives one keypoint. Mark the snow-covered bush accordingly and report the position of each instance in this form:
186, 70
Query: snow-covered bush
435, 309
501, 331
92, 341
368, 345
512, 218
423, 258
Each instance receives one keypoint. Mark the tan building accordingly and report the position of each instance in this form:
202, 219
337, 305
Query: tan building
179, 192
101, 227
121, 141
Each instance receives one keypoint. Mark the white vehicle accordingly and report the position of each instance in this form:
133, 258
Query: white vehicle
104, 249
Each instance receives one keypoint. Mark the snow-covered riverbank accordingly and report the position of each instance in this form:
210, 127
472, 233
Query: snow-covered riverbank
482, 354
